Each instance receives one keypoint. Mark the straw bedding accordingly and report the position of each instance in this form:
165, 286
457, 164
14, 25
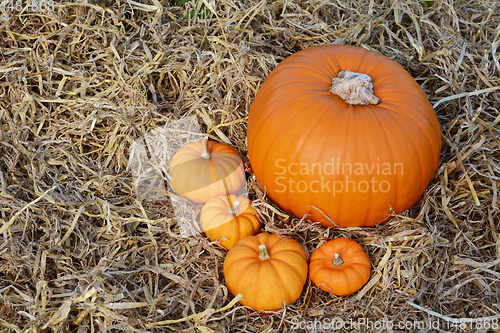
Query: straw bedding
79, 250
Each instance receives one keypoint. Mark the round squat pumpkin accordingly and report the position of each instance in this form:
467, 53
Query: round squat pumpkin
269, 270
340, 266
204, 169
227, 219
343, 135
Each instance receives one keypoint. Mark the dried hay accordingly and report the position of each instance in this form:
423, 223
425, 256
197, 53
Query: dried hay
80, 252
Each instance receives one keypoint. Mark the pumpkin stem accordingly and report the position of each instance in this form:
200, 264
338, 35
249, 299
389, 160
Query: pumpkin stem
234, 208
263, 254
354, 88
206, 152
337, 261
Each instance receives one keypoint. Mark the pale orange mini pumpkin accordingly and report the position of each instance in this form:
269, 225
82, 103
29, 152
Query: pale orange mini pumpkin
204, 169
343, 135
268, 270
227, 219
340, 266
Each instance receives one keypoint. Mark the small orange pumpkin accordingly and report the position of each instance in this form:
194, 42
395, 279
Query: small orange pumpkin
340, 266
268, 270
202, 170
227, 219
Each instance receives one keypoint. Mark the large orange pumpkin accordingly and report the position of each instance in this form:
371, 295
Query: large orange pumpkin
340, 266
344, 135
204, 169
268, 270
227, 219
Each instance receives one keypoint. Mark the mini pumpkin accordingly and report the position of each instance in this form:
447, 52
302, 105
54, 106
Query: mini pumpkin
268, 270
227, 219
340, 266
343, 135
204, 169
